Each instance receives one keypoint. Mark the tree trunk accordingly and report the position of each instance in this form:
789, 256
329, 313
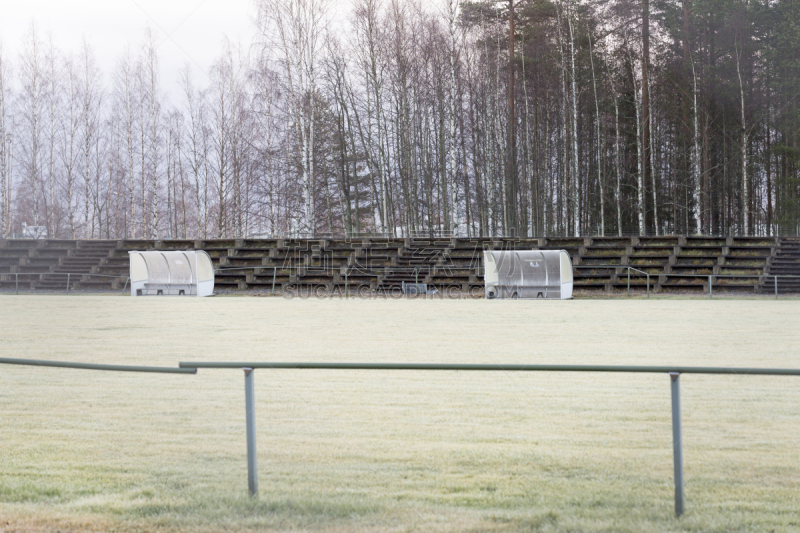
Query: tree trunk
599, 147
575, 207
745, 142
645, 107
696, 174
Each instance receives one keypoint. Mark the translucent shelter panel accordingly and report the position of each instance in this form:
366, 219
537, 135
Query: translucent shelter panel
205, 269
553, 263
509, 268
490, 268
566, 268
138, 268
157, 267
534, 273
180, 268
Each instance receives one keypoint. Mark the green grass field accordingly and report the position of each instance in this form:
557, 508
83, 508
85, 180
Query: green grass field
396, 451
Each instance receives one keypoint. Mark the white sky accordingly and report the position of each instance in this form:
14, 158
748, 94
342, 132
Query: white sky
189, 30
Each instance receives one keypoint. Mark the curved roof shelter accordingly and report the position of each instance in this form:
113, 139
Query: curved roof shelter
527, 274
187, 273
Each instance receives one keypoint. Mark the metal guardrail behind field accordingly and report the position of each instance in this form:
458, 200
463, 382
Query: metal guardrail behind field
416, 271
629, 269
710, 277
69, 276
249, 368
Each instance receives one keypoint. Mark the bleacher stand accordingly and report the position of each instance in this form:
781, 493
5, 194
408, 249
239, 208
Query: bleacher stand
383, 264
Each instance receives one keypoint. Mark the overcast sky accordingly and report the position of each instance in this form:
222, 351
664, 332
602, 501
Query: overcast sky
189, 30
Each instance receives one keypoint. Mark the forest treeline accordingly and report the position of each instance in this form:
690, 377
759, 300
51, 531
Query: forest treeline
403, 117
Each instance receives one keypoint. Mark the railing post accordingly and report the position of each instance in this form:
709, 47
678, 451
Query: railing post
629, 281
274, 275
346, 286
677, 441
67, 282
16, 279
648, 285
776, 286
710, 287
250, 420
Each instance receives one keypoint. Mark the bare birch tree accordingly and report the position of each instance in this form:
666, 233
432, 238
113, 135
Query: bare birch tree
745, 142
32, 113
91, 100
298, 27
124, 91
70, 125
53, 106
197, 146
5, 147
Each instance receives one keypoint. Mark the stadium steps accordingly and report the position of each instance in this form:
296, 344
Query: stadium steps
416, 255
78, 266
26, 259
785, 262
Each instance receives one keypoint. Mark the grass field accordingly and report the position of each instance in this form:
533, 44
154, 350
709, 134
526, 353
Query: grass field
396, 451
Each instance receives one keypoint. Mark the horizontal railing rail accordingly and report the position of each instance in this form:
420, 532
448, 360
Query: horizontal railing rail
120, 276
95, 366
335, 267
671, 275
494, 367
379, 269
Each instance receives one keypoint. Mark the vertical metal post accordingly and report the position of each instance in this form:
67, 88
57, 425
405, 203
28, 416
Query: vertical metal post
648, 285
677, 441
346, 286
250, 418
710, 288
776, 286
629, 281
16, 278
67, 283
274, 275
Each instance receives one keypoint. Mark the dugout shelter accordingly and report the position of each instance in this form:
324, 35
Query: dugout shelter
185, 273
545, 274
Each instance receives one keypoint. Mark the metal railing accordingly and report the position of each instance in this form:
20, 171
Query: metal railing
249, 368
95, 366
416, 271
712, 277
674, 373
69, 276
709, 277
630, 268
